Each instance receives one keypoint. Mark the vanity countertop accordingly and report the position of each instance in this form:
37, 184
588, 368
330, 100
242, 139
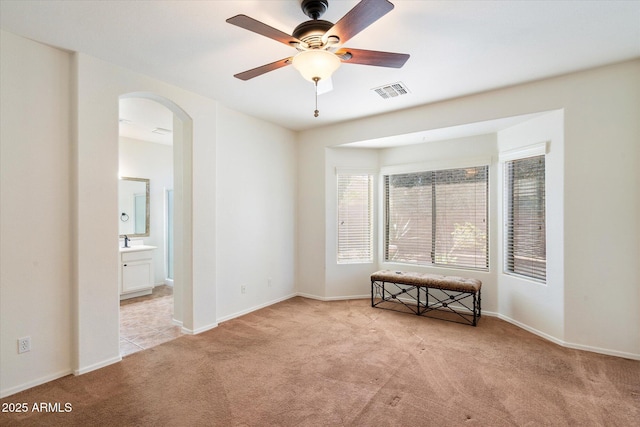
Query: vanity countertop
137, 248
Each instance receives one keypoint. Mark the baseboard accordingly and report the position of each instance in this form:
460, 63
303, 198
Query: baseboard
97, 365
608, 352
17, 389
198, 330
340, 298
254, 308
136, 294
521, 325
541, 334
310, 296
566, 344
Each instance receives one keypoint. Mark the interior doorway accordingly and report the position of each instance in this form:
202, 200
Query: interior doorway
150, 146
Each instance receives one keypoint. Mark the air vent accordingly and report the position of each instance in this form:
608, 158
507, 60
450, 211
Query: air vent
162, 131
392, 90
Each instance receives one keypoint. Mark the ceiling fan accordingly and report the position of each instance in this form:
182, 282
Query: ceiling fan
319, 42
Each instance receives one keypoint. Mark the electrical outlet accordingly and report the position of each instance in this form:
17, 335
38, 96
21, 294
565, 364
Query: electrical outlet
243, 289
24, 344
269, 282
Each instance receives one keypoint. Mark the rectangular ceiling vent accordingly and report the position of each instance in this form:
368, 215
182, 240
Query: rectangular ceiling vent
162, 131
392, 90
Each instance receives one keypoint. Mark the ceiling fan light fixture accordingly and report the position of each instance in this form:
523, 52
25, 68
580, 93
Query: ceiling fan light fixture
316, 64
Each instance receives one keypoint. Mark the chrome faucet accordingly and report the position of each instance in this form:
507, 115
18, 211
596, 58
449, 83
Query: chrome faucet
126, 241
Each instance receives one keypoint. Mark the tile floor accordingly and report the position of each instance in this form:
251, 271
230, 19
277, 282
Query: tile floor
147, 321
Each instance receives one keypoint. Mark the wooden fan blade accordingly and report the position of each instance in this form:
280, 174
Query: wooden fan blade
357, 19
258, 71
372, 57
243, 21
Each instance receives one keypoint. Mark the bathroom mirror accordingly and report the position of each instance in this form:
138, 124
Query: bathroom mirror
133, 205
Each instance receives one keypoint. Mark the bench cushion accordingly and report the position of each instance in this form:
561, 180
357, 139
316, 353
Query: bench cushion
437, 281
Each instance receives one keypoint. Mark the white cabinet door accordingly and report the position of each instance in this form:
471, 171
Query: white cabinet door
137, 275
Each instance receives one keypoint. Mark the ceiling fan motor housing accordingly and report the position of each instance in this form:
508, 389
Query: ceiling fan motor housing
314, 9
311, 32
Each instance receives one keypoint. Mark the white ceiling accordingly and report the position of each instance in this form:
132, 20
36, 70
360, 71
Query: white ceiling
141, 118
457, 47
442, 134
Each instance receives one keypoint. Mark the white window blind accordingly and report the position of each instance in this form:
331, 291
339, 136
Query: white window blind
438, 217
525, 229
355, 218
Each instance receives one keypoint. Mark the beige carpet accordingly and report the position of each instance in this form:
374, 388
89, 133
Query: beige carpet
310, 363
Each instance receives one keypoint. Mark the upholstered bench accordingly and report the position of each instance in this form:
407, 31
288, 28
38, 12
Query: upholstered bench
450, 297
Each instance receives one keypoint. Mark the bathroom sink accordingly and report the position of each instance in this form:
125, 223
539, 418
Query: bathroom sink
137, 248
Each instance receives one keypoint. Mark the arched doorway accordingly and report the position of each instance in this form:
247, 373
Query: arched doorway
182, 207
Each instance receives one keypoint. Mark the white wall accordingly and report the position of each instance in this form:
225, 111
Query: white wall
144, 159
345, 280
35, 200
602, 209
310, 237
601, 199
256, 213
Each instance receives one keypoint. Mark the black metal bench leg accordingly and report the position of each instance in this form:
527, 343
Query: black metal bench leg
426, 299
372, 305
475, 310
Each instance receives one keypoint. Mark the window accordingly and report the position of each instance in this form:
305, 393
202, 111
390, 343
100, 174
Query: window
355, 218
438, 218
525, 231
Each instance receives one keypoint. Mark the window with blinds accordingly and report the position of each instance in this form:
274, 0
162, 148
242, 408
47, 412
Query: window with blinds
438, 218
525, 230
355, 218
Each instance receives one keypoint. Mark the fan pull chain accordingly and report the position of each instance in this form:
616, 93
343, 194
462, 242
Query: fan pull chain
316, 112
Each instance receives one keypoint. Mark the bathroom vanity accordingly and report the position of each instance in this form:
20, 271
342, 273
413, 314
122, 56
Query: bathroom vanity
135, 275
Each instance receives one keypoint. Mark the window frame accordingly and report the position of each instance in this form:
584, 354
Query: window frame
528, 152
371, 176
435, 168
